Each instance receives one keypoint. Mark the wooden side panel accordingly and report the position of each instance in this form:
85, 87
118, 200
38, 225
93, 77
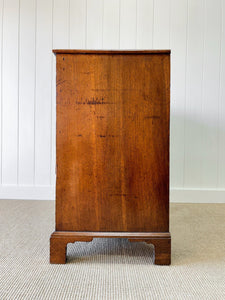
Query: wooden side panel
112, 142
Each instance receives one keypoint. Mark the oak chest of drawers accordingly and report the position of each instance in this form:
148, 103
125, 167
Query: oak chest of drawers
112, 148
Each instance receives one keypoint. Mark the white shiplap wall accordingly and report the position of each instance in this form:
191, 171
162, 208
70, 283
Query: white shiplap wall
193, 30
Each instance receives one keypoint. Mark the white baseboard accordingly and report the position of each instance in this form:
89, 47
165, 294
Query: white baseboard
197, 195
24, 192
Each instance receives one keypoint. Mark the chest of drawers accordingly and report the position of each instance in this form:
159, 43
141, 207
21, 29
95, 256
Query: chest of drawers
112, 149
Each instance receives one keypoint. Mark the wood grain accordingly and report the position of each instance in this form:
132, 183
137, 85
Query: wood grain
100, 52
112, 141
60, 239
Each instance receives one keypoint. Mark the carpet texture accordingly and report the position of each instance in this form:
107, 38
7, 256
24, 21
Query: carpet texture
111, 268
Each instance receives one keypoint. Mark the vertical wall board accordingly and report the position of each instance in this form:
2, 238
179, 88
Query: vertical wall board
26, 91
65, 13
128, 24
1, 44
43, 92
77, 26
161, 30
10, 92
193, 30
193, 114
94, 24
145, 19
211, 93
178, 43
53, 124
221, 128
61, 22
111, 24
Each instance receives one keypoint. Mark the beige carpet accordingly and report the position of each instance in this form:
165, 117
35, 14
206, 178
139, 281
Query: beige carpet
111, 268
